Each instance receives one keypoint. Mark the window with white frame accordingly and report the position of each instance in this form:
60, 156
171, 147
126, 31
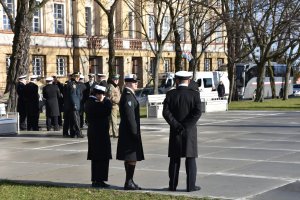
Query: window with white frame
207, 64
165, 26
10, 6
59, 18
36, 21
61, 65
131, 24
180, 25
88, 21
167, 65
219, 35
37, 65
220, 61
151, 27
7, 62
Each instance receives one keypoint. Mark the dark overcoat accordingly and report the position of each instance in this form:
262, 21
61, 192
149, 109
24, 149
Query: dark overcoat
31, 94
130, 147
51, 94
21, 107
60, 100
97, 115
72, 96
182, 110
88, 89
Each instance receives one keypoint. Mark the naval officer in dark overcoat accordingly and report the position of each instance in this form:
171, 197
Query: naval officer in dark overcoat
130, 148
51, 95
98, 110
21, 107
182, 110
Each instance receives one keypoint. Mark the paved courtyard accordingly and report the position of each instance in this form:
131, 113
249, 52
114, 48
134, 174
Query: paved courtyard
242, 155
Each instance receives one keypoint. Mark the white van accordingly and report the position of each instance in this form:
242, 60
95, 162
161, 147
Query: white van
205, 81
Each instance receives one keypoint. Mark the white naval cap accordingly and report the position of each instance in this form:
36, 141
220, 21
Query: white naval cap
33, 77
131, 78
183, 75
99, 88
50, 78
101, 75
22, 77
81, 76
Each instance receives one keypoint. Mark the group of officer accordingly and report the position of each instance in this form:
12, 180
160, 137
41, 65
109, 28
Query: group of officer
101, 102
182, 110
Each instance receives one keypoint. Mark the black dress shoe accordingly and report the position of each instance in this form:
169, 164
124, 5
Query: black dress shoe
172, 189
196, 188
130, 185
80, 136
137, 187
100, 184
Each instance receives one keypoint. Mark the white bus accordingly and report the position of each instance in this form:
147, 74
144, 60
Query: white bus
246, 80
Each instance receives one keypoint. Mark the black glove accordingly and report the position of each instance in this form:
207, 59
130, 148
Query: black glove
180, 130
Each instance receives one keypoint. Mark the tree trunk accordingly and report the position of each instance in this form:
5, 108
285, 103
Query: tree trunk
156, 67
20, 53
272, 80
261, 68
111, 45
287, 81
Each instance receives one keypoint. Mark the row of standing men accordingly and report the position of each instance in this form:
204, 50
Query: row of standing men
59, 98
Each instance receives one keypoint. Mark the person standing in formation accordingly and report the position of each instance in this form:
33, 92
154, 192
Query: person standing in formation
82, 88
51, 94
130, 148
182, 110
61, 99
89, 86
73, 95
67, 106
32, 104
102, 80
98, 109
21, 107
114, 94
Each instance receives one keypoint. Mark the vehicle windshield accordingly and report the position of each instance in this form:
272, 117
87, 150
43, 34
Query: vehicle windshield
297, 86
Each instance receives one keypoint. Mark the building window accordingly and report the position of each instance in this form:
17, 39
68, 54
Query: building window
7, 63
36, 21
10, 6
180, 27
220, 62
219, 35
167, 65
62, 65
59, 18
88, 21
165, 27
37, 65
207, 64
151, 27
131, 24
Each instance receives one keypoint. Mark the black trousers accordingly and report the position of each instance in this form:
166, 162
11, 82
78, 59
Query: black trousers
33, 123
52, 121
191, 172
22, 116
75, 124
99, 170
66, 126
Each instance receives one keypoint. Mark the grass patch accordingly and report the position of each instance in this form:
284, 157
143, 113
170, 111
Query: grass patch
11, 191
143, 112
269, 104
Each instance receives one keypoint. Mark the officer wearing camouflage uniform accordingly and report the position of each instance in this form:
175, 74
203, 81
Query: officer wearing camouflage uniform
114, 94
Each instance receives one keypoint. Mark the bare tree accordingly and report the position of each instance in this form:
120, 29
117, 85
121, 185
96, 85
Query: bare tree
22, 29
109, 8
269, 22
156, 14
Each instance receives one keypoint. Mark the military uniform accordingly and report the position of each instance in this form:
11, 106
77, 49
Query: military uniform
99, 145
31, 94
72, 98
51, 94
21, 107
182, 110
113, 92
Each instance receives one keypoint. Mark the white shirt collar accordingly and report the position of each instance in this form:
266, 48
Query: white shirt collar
183, 84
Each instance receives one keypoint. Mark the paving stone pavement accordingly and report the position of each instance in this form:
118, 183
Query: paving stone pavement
242, 155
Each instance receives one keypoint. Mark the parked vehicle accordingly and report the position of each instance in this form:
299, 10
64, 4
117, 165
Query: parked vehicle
142, 94
296, 90
246, 80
